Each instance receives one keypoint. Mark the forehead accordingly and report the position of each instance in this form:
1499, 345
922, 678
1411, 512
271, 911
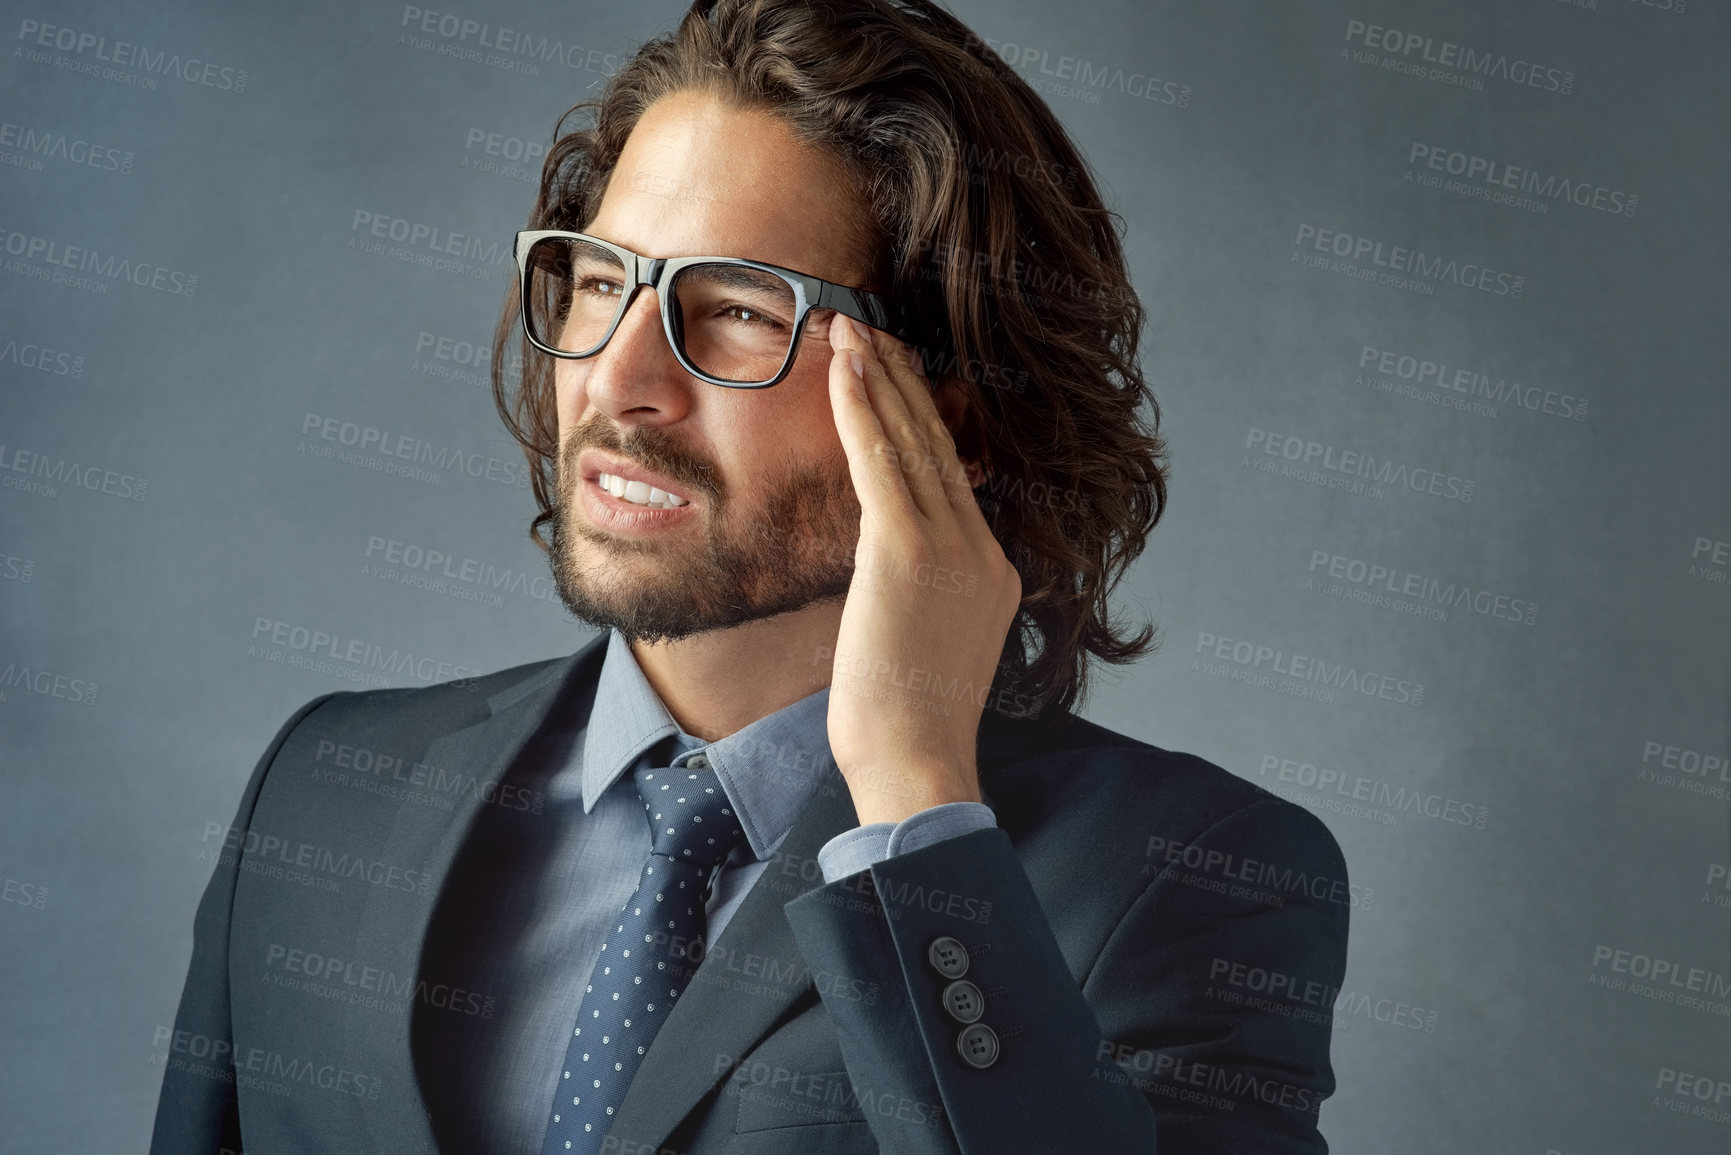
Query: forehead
701, 176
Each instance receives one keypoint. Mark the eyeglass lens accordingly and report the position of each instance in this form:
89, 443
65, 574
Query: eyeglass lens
732, 322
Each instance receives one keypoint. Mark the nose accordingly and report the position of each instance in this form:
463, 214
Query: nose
636, 379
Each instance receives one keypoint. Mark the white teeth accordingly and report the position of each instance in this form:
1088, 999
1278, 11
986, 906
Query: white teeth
639, 493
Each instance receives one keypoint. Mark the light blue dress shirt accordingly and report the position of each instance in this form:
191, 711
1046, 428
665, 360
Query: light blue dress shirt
554, 886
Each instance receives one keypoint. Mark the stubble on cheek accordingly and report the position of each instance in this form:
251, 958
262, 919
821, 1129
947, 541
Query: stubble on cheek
786, 542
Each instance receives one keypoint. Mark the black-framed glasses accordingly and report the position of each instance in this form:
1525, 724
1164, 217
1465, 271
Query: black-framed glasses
730, 321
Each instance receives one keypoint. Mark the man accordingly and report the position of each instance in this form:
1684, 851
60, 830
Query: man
808, 851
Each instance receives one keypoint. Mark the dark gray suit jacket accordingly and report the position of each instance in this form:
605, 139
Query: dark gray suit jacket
1158, 944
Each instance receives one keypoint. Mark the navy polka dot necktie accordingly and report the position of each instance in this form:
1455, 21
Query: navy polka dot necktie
650, 955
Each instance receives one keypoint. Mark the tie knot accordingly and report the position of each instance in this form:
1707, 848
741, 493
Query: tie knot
690, 818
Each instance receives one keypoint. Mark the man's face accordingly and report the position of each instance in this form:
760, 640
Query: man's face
771, 518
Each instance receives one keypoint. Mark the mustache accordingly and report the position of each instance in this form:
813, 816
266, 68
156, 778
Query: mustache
649, 446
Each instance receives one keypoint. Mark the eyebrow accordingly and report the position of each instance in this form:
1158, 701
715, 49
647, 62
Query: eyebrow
739, 277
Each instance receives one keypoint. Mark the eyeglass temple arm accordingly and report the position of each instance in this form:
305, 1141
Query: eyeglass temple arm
860, 306
868, 308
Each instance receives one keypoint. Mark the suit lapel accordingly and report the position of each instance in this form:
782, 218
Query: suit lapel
430, 838
722, 1014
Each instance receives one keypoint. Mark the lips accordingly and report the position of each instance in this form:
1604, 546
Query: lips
630, 482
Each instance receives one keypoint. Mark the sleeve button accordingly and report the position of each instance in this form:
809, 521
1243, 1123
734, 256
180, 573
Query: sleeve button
948, 957
964, 1001
978, 1046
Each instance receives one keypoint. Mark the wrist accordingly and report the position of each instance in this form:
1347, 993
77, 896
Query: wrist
891, 794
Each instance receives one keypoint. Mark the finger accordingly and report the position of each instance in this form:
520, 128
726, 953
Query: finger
871, 458
907, 368
918, 394
913, 454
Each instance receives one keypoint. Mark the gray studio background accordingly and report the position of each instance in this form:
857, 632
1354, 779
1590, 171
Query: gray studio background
1536, 825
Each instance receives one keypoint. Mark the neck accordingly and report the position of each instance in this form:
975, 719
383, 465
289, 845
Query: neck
719, 682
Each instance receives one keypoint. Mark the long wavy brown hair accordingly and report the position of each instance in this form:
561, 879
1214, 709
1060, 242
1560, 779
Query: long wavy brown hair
988, 219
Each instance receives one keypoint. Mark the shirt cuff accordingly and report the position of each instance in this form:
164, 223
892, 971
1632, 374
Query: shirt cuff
855, 850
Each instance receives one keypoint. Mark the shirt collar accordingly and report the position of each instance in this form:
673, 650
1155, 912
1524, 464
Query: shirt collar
769, 768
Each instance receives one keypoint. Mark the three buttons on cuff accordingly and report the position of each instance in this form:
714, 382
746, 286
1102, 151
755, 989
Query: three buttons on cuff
977, 1044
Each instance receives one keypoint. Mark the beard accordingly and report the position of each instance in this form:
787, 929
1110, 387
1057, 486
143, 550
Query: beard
795, 548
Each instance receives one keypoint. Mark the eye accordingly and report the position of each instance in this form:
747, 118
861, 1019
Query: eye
747, 315
600, 287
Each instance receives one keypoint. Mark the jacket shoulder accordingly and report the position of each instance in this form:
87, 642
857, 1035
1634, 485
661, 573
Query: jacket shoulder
454, 694
441, 706
387, 731
1070, 777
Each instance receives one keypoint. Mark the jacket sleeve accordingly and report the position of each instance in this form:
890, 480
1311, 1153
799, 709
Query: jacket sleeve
1169, 1042
197, 1112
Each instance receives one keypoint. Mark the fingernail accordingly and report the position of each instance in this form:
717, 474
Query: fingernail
860, 327
858, 365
